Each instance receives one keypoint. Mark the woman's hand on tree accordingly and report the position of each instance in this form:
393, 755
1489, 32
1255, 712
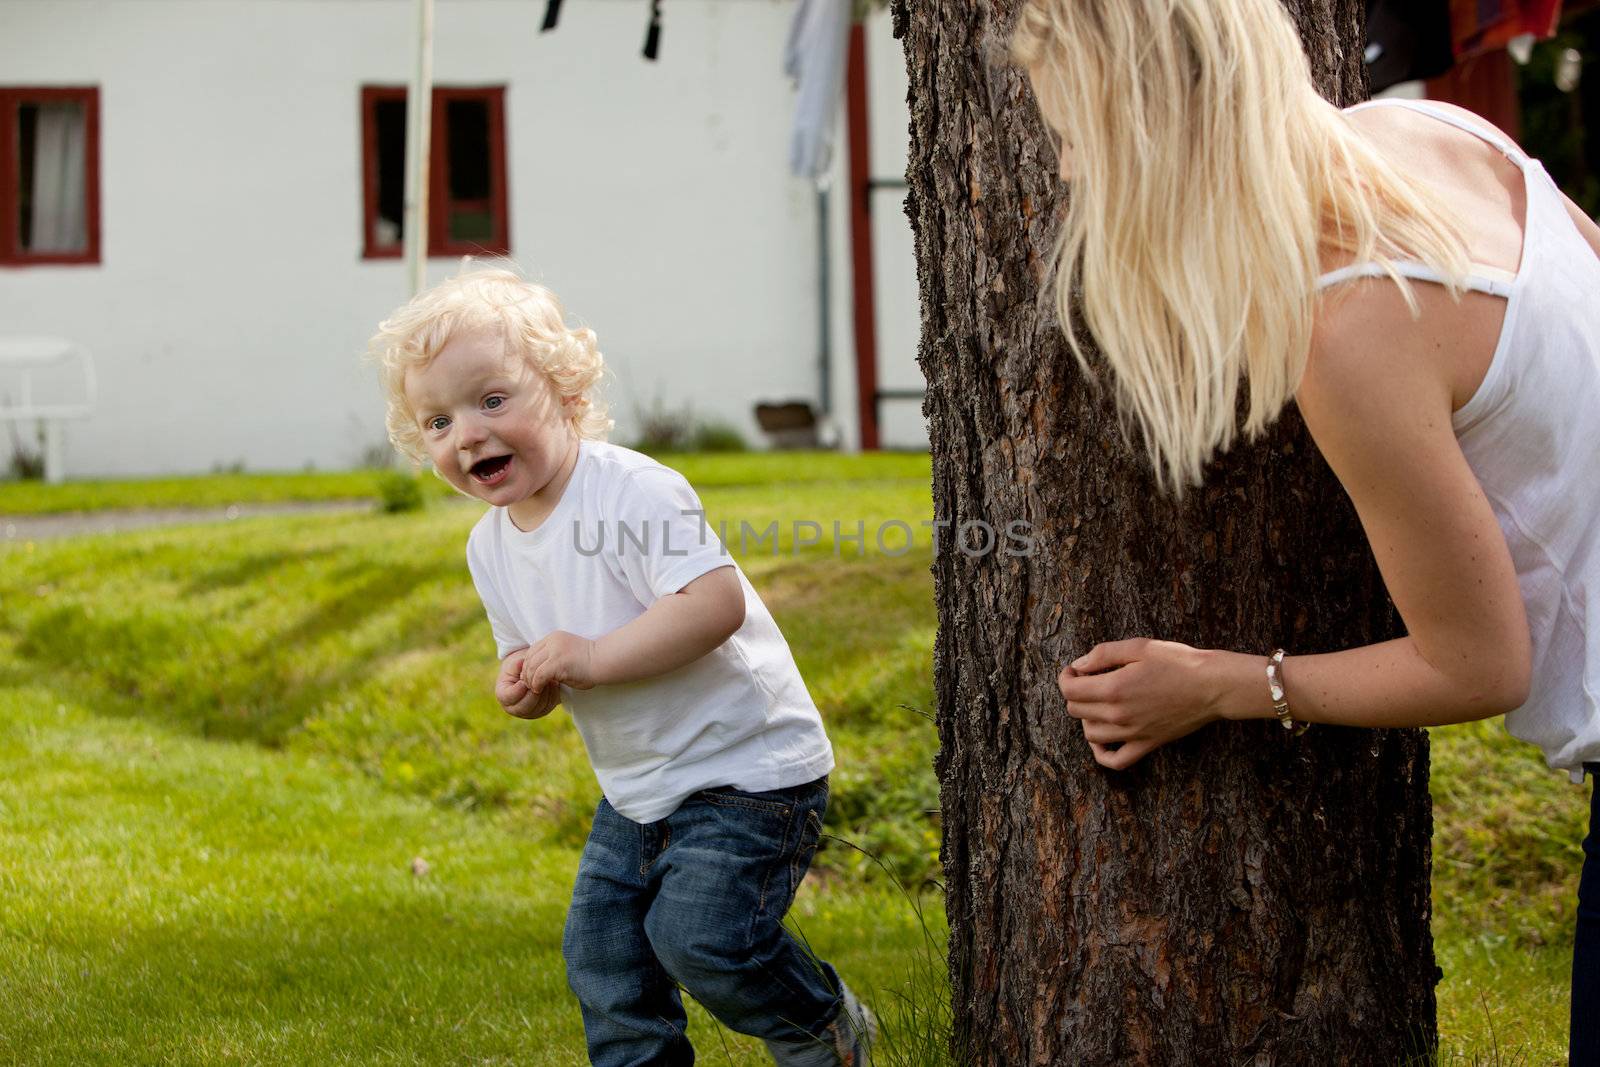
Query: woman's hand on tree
1135, 696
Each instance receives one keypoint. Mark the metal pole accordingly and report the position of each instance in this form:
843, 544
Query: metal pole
824, 300
419, 126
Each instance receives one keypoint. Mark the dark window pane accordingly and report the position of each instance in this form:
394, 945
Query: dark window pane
467, 224
467, 128
52, 200
389, 125
27, 123
468, 123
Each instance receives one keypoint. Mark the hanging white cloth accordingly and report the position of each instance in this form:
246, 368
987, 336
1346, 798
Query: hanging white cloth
815, 56
58, 221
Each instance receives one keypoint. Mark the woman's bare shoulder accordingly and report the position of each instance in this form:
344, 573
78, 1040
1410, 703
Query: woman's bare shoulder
1365, 337
1470, 116
1358, 322
1409, 120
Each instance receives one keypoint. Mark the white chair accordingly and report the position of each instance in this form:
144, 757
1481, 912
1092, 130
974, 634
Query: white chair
66, 368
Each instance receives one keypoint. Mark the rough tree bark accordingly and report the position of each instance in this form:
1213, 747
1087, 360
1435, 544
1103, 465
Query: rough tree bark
1242, 896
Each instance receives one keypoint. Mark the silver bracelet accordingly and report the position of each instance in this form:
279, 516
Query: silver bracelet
1280, 701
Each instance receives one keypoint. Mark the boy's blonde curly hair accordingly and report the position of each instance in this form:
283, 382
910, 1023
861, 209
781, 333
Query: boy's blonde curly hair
528, 318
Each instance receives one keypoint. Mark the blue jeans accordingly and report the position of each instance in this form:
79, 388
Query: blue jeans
697, 900
1584, 1050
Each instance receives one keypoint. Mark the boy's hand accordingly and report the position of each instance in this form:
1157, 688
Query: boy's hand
514, 694
559, 659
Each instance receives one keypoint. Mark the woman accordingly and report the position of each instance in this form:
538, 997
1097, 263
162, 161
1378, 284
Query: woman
1431, 302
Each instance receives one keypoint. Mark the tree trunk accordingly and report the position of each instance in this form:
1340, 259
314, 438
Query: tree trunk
1242, 896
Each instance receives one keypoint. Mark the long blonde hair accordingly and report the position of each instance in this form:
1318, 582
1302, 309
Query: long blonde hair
1208, 176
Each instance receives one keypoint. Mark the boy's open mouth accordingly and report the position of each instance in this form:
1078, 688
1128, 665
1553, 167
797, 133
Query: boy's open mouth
490, 470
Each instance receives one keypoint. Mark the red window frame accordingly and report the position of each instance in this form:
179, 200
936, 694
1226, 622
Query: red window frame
11, 99
439, 242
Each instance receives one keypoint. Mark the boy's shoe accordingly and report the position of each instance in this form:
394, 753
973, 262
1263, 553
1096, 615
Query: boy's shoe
846, 1042
855, 1031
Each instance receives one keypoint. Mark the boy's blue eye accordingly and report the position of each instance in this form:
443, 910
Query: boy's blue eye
438, 422
494, 402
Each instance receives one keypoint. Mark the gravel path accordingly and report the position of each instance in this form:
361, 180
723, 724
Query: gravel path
75, 523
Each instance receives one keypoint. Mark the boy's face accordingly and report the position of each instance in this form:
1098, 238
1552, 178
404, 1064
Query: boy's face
493, 425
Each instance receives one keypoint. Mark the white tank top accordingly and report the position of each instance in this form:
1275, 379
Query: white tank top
1531, 434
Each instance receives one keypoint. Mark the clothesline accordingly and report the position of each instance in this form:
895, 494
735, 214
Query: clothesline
652, 33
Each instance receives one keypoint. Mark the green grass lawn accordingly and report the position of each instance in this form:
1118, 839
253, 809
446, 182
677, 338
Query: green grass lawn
222, 747
220, 490
1506, 857
168, 899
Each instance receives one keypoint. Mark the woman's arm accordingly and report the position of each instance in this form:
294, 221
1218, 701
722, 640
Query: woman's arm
1377, 399
1586, 226
674, 631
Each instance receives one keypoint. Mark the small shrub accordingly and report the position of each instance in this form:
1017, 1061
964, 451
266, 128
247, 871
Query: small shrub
27, 464
400, 491
717, 437
377, 456
662, 429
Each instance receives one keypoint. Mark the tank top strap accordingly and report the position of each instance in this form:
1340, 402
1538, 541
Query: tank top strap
1485, 279
1481, 130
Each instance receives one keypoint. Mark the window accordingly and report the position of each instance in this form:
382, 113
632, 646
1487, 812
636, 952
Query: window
466, 174
49, 176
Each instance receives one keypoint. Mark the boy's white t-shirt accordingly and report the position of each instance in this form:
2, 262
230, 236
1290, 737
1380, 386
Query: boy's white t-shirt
626, 532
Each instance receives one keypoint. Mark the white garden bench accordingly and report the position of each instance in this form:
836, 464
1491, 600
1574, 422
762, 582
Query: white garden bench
46, 380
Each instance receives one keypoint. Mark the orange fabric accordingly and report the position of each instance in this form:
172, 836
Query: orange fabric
1480, 26
1486, 85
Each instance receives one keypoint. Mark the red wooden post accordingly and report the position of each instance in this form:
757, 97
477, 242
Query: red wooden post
866, 314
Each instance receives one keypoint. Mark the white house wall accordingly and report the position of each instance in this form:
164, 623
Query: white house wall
896, 296
231, 305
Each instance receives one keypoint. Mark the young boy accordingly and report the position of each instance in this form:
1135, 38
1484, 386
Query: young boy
607, 593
